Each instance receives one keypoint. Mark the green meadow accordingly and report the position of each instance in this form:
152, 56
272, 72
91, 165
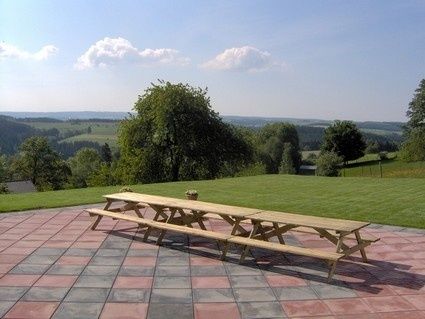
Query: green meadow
393, 201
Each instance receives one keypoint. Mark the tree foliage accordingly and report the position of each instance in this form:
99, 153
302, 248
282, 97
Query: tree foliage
85, 163
176, 135
287, 166
106, 154
416, 110
272, 139
413, 149
38, 162
344, 139
328, 164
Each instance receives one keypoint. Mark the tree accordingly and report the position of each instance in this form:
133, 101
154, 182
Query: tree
38, 162
344, 139
271, 142
328, 164
104, 176
416, 110
287, 166
85, 163
413, 149
3, 168
106, 154
175, 135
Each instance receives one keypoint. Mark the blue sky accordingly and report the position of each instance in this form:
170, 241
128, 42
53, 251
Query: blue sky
359, 60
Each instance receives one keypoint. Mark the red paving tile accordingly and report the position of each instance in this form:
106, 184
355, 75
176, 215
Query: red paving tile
55, 281
403, 315
11, 259
4, 268
210, 282
139, 261
348, 306
18, 280
305, 308
388, 304
86, 244
216, 310
19, 250
73, 260
416, 300
133, 282
204, 261
29, 243
124, 311
285, 281
32, 310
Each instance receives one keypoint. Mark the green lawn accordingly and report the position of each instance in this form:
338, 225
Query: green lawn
395, 201
390, 168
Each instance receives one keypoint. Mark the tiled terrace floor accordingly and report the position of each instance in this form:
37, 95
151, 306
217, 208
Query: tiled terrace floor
53, 266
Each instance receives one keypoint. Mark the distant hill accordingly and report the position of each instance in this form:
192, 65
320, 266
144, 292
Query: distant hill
63, 116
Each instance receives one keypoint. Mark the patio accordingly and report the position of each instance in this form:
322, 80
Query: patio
53, 266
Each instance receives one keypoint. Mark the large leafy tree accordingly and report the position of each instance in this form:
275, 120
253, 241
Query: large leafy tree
85, 163
38, 162
175, 135
413, 149
272, 140
416, 110
344, 139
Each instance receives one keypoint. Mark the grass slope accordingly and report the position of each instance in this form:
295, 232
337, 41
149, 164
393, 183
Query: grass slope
387, 201
390, 168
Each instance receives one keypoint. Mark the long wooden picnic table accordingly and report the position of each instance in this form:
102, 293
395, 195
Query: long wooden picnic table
265, 224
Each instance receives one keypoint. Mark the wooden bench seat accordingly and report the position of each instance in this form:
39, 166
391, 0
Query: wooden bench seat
330, 257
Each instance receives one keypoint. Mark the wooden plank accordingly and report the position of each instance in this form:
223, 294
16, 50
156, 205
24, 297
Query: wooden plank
339, 225
285, 248
184, 204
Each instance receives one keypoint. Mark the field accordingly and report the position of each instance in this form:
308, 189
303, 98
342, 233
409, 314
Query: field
102, 132
394, 201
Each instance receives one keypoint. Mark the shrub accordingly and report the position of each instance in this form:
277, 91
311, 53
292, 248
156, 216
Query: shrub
328, 164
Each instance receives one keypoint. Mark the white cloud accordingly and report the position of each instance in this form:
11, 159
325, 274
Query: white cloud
246, 59
111, 51
12, 52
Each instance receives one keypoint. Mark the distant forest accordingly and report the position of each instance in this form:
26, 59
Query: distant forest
13, 131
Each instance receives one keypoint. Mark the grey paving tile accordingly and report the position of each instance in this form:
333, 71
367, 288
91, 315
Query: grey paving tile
111, 252
129, 295
29, 269
142, 252
106, 261
45, 294
115, 244
257, 294
261, 310
172, 271
240, 270
326, 291
172, 282
65, 269
41, 260
12, 293
134, 271
84, 252
101, 271
208, 271
248, 281
49, 251
5, 306
165, 311
213, 295
73, 310
173, 261
87, 295
95, 281
171, 296
294, 293
168, 252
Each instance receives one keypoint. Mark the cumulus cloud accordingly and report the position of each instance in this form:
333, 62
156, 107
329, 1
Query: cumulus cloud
110, 51
9, 51
246, 59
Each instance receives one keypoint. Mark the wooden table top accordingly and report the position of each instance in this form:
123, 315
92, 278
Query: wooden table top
341, 225
185, 204
244, 212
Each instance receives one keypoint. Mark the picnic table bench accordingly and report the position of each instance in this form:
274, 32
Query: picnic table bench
179, 215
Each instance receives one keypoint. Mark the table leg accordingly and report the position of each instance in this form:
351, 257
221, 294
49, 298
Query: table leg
360, 242
163, 231
278, 233
251, 234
